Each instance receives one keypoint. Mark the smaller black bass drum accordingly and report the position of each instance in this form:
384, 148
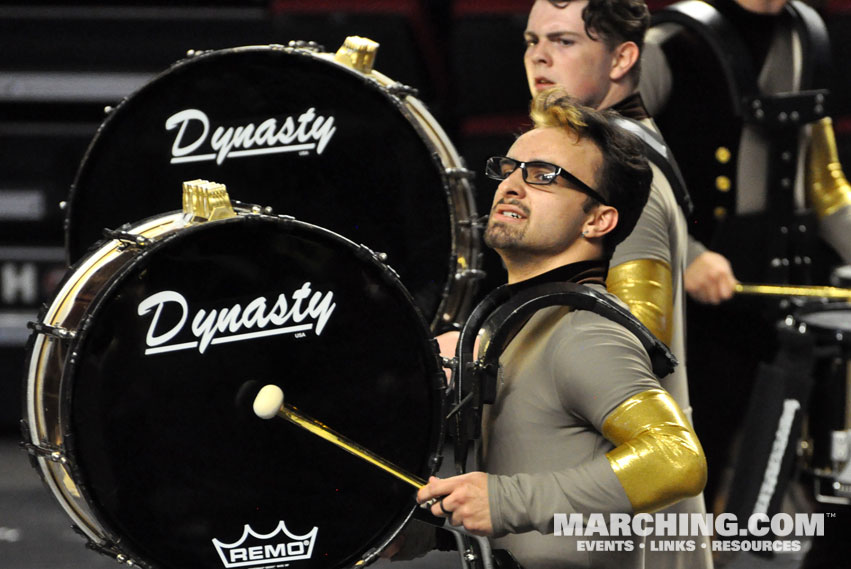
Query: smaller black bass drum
827, 431
144, 367
296, 129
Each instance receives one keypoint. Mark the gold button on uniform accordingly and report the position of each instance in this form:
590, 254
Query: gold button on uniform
723, 154
720, 212
723, 183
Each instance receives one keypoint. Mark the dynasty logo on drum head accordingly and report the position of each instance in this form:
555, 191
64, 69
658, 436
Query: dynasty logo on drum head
278, 546
306, 310
305, 133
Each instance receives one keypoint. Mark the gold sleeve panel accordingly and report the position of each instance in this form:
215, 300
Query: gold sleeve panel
645, 286
827, 186
657, 456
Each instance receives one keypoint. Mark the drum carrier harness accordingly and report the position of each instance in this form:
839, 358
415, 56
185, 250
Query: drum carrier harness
502, 314
791, 242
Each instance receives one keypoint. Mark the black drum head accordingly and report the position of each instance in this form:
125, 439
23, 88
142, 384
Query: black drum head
162, 436
279, 128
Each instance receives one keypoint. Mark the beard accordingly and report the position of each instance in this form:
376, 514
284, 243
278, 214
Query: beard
503, 236
500, 236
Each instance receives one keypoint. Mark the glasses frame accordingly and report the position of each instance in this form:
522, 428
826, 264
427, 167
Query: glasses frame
492, 172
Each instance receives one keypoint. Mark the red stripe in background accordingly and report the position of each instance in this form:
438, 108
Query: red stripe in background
495, 124
837, 7
330, 6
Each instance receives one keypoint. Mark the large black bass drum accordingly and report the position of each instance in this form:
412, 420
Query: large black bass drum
294, 129
142, 374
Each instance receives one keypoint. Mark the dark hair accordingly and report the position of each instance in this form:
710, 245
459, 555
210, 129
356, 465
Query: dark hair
615, 22
625, 177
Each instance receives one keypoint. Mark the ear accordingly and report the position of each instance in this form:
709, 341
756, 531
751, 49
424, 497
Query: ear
603, 219
624, 57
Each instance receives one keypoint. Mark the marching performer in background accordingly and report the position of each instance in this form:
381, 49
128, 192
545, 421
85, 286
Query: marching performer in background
739, 89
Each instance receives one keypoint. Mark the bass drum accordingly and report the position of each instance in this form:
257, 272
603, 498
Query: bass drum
142, 375
292, 129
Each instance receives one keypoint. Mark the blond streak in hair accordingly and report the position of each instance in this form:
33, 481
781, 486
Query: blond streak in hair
554, 108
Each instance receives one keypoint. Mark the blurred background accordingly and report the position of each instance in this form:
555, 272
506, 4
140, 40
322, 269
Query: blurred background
61, 64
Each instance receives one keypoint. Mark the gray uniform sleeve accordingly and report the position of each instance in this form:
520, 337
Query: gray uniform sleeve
694, 249
596, 367
526, 502
651, 237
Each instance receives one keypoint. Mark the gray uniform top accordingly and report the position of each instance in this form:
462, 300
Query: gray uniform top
560, 378
661, 234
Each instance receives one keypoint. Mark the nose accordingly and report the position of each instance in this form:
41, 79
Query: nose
513, 185
538, 53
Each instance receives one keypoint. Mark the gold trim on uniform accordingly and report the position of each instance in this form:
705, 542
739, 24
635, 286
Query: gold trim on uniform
657, 456
644, 285
828, 188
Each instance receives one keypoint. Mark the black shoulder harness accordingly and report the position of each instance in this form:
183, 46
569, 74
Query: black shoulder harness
474, 381
504, 322
732, 53
659, 153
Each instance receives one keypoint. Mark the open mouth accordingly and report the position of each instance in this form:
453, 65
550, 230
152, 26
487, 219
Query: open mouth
511, 211
543, 83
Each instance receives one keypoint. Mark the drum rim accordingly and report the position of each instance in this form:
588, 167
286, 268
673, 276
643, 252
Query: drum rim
801, 314
65, 386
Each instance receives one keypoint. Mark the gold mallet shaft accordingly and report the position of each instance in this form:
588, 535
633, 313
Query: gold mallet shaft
322, 431
797, 290
270, 402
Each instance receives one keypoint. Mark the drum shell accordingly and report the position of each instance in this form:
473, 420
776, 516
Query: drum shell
829, 323
57, 421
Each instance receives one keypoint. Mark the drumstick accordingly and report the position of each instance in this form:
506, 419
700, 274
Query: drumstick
798, 290
270, 402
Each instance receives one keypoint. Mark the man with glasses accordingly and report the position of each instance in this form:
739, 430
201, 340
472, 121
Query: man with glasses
580, 424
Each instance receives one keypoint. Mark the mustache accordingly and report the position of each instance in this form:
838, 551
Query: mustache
516, 203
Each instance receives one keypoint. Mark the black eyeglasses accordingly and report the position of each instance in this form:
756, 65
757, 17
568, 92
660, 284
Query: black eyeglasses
537, 174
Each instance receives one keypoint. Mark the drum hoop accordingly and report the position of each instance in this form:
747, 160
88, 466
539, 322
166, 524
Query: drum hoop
800, 317
101, 255
463, 258
99, 527
817, 307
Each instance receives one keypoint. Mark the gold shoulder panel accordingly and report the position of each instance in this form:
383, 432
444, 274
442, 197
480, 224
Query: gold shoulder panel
827, 186
645, 286
657, 456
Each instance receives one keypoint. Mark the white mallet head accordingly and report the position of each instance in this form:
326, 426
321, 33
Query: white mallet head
268, 401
